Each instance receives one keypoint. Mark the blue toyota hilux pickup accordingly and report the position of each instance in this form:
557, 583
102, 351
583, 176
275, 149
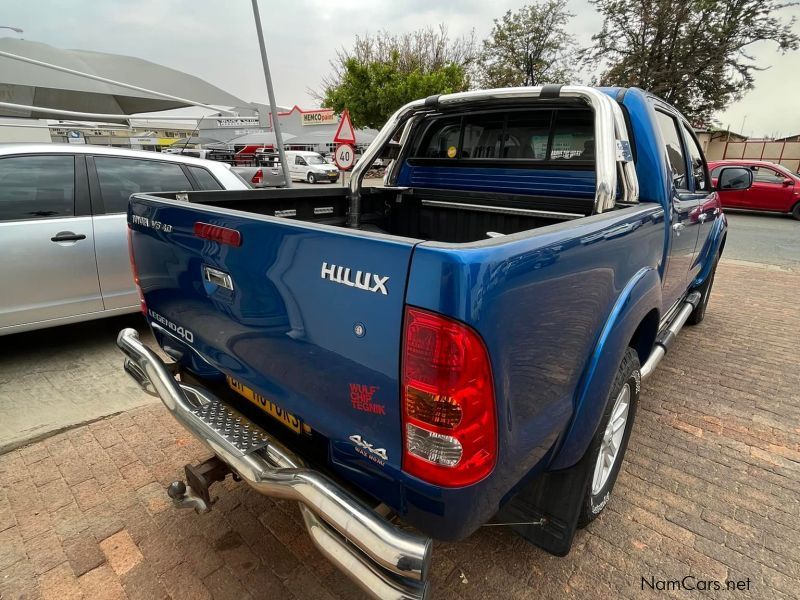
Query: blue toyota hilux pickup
463, 344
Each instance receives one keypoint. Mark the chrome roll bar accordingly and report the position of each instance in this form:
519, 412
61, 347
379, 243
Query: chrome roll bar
612, 145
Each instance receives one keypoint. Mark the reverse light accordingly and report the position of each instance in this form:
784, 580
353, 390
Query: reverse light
435, 447
449, 414
142, 303
215, 233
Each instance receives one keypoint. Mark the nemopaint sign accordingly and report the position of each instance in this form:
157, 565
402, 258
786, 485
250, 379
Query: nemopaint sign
318, 117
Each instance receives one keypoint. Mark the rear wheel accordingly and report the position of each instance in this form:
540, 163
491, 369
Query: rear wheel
796, 211
699, 312
312, 178
611, 439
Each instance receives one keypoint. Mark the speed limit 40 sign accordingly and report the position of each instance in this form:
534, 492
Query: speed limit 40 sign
344, 157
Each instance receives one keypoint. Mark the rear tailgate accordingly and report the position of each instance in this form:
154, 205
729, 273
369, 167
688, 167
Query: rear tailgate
297, 328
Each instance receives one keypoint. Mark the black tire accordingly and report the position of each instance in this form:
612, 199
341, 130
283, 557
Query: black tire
312, 178
796, 211
699, 312
595, 500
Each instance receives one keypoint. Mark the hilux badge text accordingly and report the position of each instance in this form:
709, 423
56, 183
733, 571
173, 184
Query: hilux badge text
361, 280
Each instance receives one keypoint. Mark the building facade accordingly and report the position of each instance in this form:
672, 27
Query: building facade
303, 129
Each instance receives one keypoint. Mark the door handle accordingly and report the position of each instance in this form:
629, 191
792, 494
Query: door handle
67, 236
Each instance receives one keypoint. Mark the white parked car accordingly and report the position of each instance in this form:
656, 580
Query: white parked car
63, 226
310, 167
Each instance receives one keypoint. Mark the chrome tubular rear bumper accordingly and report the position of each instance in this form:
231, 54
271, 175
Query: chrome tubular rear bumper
384, 560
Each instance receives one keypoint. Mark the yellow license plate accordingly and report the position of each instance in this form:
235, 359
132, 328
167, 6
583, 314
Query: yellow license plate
269, 407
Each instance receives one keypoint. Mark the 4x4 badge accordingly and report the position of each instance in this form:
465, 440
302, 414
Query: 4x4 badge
363, 447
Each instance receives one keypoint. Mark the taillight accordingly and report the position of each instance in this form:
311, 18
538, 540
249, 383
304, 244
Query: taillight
216, 233
449, 421
142, 303
258, 177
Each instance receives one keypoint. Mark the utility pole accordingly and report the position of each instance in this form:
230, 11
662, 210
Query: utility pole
276, 128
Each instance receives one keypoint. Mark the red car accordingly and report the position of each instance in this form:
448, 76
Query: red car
775, 188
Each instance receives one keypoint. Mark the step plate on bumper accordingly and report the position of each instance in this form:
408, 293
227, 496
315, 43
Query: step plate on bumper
242, 435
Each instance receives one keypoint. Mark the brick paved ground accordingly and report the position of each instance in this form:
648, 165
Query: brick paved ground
710, 488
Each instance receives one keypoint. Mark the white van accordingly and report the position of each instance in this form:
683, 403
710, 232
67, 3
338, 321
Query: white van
310, 167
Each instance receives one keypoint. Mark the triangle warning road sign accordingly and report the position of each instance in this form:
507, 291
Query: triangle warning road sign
345, 134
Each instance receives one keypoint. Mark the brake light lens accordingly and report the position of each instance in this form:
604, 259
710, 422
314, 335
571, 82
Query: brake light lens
258, 177
449, 414
215, 233
142, 303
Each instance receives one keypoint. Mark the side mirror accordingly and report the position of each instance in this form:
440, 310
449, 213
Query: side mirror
734, 178
787, 182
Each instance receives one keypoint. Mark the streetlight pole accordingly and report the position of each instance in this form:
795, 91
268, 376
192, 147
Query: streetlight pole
276, 128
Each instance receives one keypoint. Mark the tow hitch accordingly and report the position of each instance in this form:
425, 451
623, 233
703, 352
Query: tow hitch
194, 493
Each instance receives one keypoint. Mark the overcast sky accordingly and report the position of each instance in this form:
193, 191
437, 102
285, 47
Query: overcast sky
216, 40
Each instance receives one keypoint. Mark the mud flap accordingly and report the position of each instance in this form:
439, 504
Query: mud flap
545, 512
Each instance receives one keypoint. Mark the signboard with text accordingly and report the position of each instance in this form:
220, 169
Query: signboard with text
318, 117
238, 122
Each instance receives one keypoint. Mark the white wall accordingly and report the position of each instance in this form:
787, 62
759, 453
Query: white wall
24, 130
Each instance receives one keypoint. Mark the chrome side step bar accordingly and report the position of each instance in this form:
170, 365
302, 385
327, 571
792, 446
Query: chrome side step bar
385, 561
668, 335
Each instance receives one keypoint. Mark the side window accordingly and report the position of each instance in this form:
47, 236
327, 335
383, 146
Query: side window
37, 187
715, 172
299, 160
674, 150
121, 177
767, 175
701, 180
205, 179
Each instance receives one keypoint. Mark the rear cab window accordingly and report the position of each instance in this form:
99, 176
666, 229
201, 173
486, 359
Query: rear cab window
37, 187
525, 136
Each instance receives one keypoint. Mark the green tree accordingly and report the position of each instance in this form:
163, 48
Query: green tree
696, 54
528, 47
380, 73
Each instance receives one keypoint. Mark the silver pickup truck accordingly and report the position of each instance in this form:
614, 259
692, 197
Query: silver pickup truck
63, 212
265, 172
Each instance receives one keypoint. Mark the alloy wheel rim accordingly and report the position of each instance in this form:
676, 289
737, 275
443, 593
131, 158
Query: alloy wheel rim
612, 439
